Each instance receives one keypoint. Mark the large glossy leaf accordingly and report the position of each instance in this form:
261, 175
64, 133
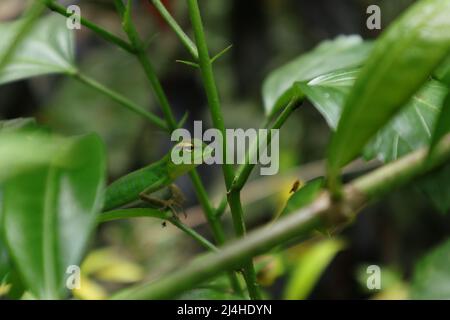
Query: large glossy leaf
343, 52
49, 212
11, 42
328, 93
21, 151
409, 130
10, 126
401, 61
431, 279
47, 48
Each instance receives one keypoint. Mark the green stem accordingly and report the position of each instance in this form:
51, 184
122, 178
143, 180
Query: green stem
246, 169
203, 198
184, 38
155, 213
220, 210
217, 118
301, 223
106, 35
123, 101
194, 234
222, 207
158, 90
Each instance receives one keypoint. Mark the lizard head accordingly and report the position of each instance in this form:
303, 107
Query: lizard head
188, 154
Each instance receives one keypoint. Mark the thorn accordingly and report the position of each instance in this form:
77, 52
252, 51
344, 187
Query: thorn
183, 119
221, 53
189, 63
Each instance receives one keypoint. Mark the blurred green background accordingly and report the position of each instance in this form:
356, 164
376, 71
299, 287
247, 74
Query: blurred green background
265, 34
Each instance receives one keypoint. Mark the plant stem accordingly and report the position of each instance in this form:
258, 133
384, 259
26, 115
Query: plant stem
222, 207
194, 234
202, 196
106, 35
246, 169
161, 96
301, 223
220, 210
217, 118
123, 101
184, 38
158, 90
155, 213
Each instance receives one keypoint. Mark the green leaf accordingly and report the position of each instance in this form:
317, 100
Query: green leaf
401, 61
11, 42
443, 72
431, 278
411, 129
10, 126
304, 196
408, 131
343, 52
328, 93
442, 126
22, 151
309, 267
49, 212
47, 48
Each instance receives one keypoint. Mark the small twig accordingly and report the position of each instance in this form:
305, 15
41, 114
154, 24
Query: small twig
245, 170
188, 63
158, 214
106, 35
184, 38
221, 53
123, 101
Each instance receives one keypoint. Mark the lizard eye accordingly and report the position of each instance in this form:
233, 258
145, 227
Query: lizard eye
187, 146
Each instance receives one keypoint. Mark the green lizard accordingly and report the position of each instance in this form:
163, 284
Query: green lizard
154, 184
